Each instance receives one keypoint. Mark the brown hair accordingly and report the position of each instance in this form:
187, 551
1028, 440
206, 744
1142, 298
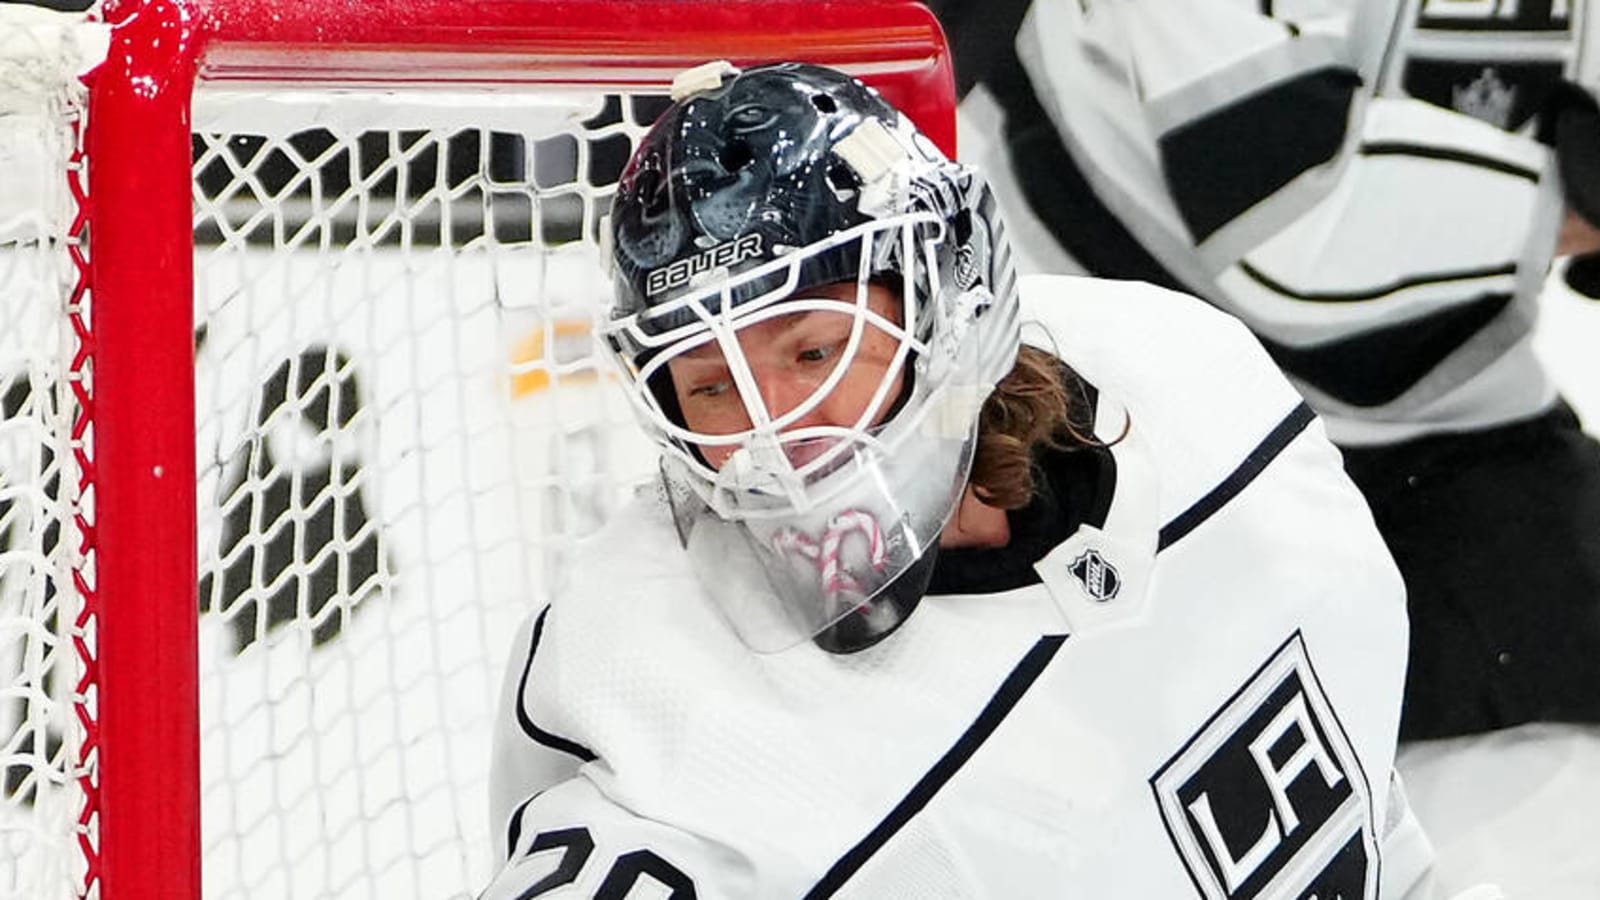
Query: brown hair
1035, 405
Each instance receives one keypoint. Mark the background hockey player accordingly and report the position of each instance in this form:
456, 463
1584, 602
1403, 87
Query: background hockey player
1362, 183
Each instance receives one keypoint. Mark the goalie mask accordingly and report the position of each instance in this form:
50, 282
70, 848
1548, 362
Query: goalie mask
812, 304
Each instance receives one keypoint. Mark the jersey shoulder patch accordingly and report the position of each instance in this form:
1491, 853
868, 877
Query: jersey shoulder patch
1267, 798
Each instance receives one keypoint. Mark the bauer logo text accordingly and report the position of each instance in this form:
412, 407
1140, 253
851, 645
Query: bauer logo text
721, 256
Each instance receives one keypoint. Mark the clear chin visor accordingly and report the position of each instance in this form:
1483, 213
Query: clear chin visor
785, 578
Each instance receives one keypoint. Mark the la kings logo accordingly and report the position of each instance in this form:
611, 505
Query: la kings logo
1267, 799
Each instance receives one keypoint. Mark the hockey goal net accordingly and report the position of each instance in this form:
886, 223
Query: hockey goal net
302, 413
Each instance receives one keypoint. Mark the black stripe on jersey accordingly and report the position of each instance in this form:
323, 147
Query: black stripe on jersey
1374, 367
1266, 10
1218, 497
514, 829
994, 712
554, 742
1399, 284
1400, 148
1223, 163
1059, 194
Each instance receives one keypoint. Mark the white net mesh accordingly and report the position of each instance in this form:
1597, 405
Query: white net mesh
402, 428
41, 543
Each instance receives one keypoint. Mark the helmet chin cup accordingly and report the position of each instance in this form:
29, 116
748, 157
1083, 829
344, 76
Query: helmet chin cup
759, 467
872, 622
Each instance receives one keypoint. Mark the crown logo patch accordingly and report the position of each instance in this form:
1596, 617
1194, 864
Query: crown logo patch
1487, 97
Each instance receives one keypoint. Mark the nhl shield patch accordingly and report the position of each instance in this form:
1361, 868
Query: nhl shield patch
1097, 576
1268, 799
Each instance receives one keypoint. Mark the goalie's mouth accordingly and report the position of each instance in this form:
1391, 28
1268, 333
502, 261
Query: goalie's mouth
806, 451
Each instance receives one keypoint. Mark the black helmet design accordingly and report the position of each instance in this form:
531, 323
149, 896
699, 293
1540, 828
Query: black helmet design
734, 177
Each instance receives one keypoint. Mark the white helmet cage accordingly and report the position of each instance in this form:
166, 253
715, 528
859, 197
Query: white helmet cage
817, 544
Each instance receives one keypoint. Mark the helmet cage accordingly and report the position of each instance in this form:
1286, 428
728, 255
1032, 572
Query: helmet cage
907, 244
805, 525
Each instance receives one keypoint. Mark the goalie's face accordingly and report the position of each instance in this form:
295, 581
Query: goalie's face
794, 361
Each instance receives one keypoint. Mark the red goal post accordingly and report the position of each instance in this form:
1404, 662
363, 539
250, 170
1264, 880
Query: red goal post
142, 830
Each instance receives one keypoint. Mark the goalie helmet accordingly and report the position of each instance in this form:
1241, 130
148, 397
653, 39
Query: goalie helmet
793, 194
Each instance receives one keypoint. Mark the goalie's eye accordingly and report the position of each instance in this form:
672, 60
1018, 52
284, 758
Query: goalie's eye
820, 354
711, 389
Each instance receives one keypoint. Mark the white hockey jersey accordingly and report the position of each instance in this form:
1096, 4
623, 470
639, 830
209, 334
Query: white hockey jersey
1357, 180
1197, 696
